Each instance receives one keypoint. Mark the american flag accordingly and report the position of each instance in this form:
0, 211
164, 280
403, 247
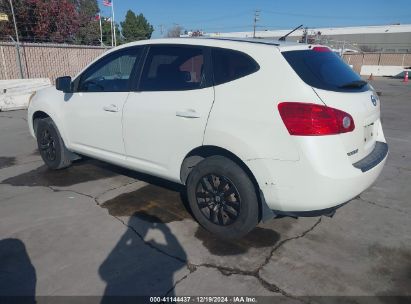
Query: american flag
107, 2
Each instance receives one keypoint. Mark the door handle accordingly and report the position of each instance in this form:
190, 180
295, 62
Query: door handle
188, 114
110, 108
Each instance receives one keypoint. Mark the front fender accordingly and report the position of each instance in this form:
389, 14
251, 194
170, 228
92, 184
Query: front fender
50, 102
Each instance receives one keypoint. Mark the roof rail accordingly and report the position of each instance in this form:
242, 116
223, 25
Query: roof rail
249, 40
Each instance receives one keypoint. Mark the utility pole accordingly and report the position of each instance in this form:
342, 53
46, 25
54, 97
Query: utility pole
17, 41
256, 19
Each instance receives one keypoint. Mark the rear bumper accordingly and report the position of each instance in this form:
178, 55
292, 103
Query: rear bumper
374, 158
313, 213
319, 182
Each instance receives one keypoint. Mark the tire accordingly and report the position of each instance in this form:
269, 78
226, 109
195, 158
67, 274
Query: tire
225, 204
51, 146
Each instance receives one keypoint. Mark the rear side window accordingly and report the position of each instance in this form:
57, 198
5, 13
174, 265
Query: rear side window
323, 69
229, 65
173, 68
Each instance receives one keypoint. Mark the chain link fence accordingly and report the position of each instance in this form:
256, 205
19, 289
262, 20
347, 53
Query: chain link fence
357, 60
54, 60
45, 60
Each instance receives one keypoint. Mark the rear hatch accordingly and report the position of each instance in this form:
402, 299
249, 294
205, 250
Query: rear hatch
339, 87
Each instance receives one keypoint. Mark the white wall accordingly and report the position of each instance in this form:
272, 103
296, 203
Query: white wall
15, 93
383, 70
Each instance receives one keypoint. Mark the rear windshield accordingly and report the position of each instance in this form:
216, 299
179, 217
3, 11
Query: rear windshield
325, 70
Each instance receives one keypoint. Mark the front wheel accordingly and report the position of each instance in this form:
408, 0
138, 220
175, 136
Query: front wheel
222, 197
51, 146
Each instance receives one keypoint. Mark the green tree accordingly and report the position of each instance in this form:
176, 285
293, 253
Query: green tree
89, 28
136, 27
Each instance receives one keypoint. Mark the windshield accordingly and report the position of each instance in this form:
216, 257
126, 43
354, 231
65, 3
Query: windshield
325, 70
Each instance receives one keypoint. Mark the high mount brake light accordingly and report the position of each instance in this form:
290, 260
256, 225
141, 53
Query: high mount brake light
322, 49
306, 119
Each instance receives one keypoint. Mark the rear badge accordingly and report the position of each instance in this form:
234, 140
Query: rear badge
374, 100
353, 152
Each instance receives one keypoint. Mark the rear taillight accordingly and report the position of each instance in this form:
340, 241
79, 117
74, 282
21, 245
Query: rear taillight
307, 119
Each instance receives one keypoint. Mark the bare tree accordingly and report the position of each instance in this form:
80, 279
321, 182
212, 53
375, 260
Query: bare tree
174, 32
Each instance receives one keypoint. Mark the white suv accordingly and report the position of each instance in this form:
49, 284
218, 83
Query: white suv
253, 129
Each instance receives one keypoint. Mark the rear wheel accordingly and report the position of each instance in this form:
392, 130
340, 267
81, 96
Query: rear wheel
222, 197
51, 146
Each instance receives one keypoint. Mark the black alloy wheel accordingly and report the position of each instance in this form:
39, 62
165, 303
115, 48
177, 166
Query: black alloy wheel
218, 199
51, 146
47, 145
222, 197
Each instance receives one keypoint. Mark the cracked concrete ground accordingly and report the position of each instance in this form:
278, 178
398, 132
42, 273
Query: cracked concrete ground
96, 229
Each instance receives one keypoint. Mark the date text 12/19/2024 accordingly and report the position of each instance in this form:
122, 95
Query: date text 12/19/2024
204, 299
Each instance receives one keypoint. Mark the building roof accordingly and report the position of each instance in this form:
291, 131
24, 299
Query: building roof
374, 29
274, 42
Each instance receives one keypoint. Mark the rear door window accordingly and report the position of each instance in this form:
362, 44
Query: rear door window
323, 69
229, 65
173, 68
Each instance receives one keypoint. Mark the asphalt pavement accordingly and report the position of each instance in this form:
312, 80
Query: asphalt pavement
99, 230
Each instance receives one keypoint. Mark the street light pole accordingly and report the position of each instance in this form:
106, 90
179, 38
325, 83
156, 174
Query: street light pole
17, 40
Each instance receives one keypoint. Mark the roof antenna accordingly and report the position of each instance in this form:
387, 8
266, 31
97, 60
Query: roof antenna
286, 35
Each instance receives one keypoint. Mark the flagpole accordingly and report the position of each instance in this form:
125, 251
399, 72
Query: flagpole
111, 25
101, 30
114, 24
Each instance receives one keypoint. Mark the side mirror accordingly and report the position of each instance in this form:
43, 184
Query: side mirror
64, 84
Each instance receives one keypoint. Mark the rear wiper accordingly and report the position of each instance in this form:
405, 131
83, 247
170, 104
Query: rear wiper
354, 84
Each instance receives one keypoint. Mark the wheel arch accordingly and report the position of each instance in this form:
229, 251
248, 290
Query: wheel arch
36, 117
41, 114
198, 154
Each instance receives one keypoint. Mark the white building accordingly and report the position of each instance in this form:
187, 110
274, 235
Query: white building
387, 38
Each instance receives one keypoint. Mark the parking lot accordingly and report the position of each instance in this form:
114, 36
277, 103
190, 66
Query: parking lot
99, 230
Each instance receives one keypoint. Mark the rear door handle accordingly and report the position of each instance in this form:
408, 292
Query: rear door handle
110, 108
188, 114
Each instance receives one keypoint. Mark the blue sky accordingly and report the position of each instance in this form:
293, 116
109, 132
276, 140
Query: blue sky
230, 15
